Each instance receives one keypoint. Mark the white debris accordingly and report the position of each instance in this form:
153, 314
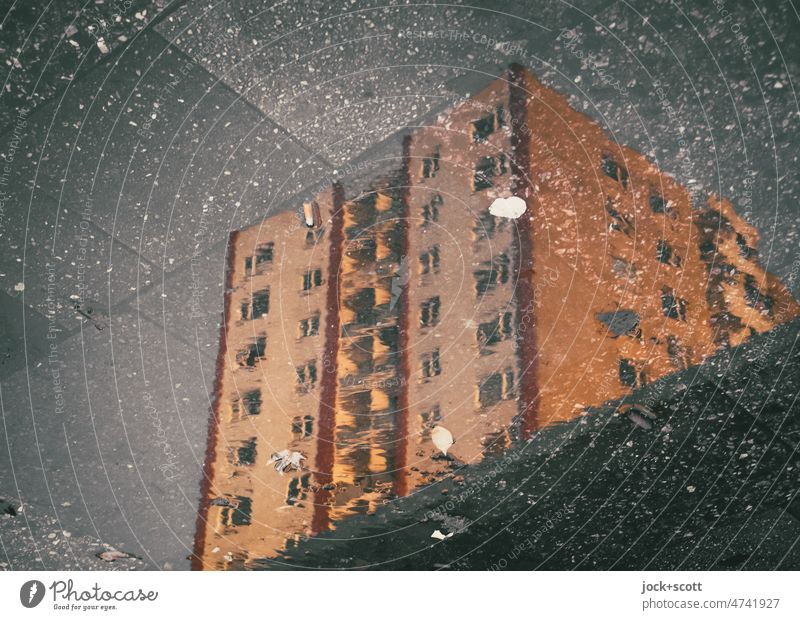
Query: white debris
101, 45
308, 213
439, 536
511, 207
442, 439
111, 555
19, 287
285, 460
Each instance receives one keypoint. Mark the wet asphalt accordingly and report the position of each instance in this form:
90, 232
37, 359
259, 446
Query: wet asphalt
126, 163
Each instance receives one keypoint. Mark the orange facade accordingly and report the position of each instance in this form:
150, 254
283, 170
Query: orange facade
408, 305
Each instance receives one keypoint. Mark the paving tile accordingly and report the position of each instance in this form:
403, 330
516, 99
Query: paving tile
20, 331
189, 302
118, 433
57, 257
47, 42
340, 81
168, 156
766, 540
752, 377
33, 539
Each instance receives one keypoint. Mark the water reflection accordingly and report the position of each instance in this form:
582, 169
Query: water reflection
361, 322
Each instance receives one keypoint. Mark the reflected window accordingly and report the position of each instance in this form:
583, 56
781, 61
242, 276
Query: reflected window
664, 254
506, 325
252, 353
481, 129
490, 390
238, 514
430, 210
302, 427
430, 165
508, 384
313, 236
614, 170
496, 387
362, 303
673, 307
627, 373
657, 203
678, 354
494, 272
312, 278
429, 261
618, 222
620, 322
309, 326
263, 256
260, 303
488, 168
495, 444
252, 402
754, 297
488, 333
431, 365
246, 453
429, 419
494, 331
306, 376
486, 225
623, 268
429, 312
258, 306
298, 489
745, 251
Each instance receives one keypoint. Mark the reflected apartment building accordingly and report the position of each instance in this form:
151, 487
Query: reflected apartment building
408, 305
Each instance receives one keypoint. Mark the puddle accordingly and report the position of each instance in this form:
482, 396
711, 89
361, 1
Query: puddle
366, 318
